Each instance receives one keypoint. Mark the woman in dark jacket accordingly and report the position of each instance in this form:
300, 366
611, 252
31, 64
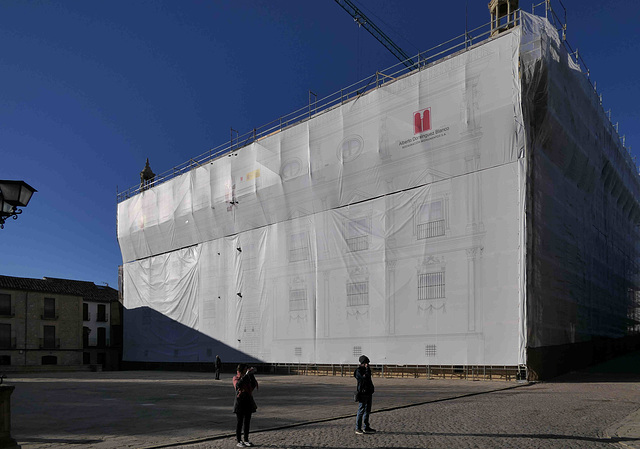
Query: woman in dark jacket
365, 391
244, 383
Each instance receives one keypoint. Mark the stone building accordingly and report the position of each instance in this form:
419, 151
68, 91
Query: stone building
475, 212
60, 322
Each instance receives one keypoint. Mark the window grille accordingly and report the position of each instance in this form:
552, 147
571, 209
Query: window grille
358, 294
358, 243
357, 351
431, 286
430, 350
297, 300
430, 229
298, 351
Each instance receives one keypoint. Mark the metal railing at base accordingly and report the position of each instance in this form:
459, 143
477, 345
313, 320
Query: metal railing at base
509, 373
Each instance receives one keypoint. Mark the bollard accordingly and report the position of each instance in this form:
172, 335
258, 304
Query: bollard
5, 418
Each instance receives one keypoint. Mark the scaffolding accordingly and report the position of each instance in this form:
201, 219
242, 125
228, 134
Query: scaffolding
289, 252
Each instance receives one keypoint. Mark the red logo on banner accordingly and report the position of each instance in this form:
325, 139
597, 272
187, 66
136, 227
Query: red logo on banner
422, 121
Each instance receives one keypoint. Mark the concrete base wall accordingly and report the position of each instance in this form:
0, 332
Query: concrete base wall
46, 368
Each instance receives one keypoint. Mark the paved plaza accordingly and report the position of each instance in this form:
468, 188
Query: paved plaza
595, 408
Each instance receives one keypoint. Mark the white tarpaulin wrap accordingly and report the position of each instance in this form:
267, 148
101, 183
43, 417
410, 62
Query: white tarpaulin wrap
391, 226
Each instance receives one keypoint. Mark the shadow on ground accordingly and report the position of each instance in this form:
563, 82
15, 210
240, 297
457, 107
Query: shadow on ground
625, 368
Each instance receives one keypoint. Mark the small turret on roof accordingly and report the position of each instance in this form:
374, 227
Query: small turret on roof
500, 9
147, 176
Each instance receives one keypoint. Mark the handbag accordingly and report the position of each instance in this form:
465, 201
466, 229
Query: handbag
245, 401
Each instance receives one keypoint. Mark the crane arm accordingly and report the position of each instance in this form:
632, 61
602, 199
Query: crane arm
362, 20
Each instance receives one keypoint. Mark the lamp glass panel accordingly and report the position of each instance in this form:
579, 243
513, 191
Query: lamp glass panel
25, 195
10, 191
5, 208
17, 193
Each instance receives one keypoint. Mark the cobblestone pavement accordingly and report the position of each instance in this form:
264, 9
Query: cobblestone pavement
589, 409
550, 415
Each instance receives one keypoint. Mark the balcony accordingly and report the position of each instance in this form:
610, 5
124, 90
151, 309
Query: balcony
102, 317
359, 243
49, 315
86, 316
98, 342
431, 229
49, 343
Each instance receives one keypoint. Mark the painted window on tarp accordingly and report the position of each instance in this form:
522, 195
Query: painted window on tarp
431, 221
357, 293
297, 300
357, 234
298, 247
431, 286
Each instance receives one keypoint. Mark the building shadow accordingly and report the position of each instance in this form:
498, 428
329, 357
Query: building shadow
152, 340
625, 368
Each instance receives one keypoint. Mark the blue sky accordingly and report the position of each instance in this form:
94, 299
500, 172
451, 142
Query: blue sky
93, 88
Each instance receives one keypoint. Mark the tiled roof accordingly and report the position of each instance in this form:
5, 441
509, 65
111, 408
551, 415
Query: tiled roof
88, 290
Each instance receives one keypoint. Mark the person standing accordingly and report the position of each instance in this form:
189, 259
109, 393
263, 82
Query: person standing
365, 391
244, 383
218, 367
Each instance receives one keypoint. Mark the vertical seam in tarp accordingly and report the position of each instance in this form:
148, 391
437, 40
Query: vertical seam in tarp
520, 143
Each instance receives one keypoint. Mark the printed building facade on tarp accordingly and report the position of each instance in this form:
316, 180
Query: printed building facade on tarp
469, 213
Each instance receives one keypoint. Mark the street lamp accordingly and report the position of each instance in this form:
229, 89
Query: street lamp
13, 194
